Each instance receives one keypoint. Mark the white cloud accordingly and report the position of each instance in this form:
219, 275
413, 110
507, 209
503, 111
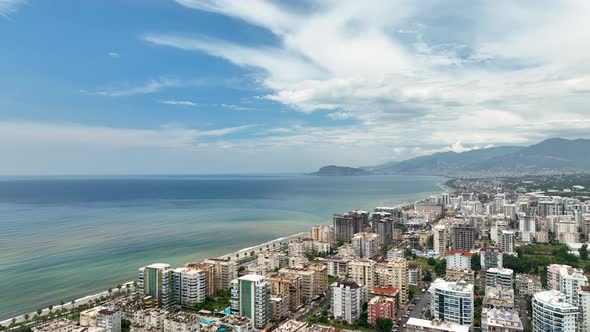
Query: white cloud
149, 87
114, 55
179, 102
9, 7
432, 73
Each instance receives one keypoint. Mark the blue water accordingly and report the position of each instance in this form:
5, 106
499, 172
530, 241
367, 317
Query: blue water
62, 238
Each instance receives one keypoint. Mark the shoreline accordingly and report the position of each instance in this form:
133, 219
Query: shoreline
91, 297
235, 255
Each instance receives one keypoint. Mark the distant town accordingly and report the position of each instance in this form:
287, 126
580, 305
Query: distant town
490, 254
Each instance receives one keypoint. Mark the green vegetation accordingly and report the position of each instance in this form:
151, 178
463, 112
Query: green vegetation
217, 302
475, 262
125, 325
583, 252
412, 292
427, 276
383, 324
332, 279
534, 258
440, 267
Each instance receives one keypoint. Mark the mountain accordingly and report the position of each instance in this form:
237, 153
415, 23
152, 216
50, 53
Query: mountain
443, 162
554, 155
340, 171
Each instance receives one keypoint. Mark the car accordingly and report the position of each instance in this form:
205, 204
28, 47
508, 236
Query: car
406, 316
404, 325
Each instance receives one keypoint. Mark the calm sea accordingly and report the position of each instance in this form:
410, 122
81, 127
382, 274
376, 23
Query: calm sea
63, 238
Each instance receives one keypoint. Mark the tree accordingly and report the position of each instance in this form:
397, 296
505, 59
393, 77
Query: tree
431, 261
441, 267
110, 291
430, 242
383, 324
475, 262
384, 248
26, 317
427, 275
583, 252
39, 312
50, 307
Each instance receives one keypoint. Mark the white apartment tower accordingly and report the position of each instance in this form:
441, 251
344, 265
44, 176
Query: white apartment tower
551, 312
348, 298
189, 286
452, 301
440, 238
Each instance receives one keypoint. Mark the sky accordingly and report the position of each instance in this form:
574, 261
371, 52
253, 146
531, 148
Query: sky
220, 86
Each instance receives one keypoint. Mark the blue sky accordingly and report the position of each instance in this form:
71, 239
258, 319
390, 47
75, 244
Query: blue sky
206, 86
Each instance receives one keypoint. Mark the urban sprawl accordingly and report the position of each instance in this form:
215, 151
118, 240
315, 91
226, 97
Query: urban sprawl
478, 257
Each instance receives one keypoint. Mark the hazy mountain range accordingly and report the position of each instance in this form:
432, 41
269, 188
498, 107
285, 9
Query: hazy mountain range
554, 155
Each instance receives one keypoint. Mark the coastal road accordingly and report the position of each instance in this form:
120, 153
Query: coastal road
69, 306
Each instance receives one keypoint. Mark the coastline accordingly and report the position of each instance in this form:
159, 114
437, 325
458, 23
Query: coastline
237, 254
91, 297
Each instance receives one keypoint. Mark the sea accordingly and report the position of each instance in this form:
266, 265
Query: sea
62, 238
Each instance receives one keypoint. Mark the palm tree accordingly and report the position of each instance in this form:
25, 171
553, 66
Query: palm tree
13, 322
26, 317
50, 307
119, 288
127, 286
35, 318
39, 312
110, 291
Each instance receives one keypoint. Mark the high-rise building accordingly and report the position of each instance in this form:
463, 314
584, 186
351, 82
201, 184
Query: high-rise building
348, 298
189, 286
490, 257
439, 233
496, 231
362, 272
225, 271
109, 320
346, 225
314, 279
583, 303
527, 284
414, 274
209, 271
507, 240
499, 277
287, 287
156, 281
463, 237
567, 280
381, 307
458, 260
250, 297
398, 271
567, 231
366, 245
570, 279
384, 228
321, 233
551, 312
527, 228
452, 301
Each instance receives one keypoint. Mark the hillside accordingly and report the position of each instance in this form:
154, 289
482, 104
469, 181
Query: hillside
554, 155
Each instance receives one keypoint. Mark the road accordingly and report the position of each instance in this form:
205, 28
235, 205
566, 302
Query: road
420, 306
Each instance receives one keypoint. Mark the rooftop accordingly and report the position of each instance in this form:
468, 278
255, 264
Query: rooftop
461, 252
252, 277
554, 298
437, 325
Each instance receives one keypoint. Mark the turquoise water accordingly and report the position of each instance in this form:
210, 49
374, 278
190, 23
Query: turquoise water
62, 238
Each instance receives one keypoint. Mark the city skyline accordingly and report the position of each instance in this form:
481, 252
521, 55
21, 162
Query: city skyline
188, 86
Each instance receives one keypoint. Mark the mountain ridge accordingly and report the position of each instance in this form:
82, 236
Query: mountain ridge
553, 155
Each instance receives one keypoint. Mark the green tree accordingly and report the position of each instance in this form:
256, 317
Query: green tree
441, 267
430, 242
583, 252
475, 262
110, 291
427, 275
26, 317
384, 248
127, 286
431, 261
119, 286
383, 324
50, 307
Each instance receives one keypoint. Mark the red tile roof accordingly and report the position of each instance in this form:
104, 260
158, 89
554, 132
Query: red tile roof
464, 253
